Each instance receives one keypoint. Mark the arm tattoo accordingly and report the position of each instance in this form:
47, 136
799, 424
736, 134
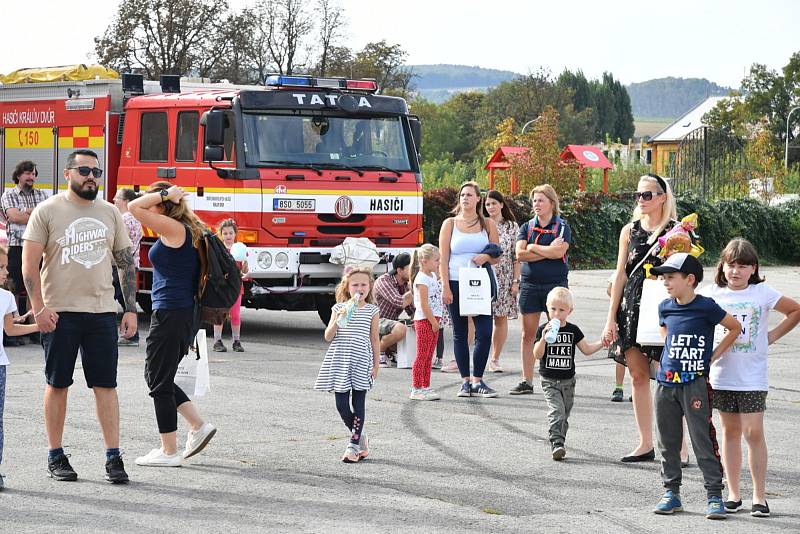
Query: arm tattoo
31, 284
127, 277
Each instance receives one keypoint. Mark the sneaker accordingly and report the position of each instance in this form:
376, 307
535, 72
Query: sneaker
2, 484
219, 346
559, 452
437, 363
495, 367
237, 346
196, 440
125, 342
431, 395
60, 469
115, 470
465, 391
482, 390
523, 388
618, 395
732, 507
715, 508
352, 454
417, 394
158, 458
670, 502
451, 367
384, 361
363, 446
760, 510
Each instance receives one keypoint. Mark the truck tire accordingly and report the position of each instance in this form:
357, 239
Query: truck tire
324, 305
145, 302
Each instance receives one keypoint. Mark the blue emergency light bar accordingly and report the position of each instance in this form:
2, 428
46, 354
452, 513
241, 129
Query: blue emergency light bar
277, 80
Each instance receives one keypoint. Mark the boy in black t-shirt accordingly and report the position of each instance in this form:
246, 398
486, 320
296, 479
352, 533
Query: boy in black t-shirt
683, 391
557, 365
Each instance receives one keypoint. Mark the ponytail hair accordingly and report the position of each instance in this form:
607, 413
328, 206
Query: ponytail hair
424, 252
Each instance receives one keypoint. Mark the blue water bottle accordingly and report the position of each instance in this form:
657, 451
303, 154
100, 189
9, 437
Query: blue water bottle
552, 334
349, 310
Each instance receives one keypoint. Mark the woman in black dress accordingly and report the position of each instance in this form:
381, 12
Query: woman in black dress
654, 215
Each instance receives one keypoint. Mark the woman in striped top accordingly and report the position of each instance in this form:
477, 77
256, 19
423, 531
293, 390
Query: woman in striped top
351, 363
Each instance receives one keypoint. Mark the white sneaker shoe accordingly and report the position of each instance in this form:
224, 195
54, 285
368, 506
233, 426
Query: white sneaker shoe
158, 458
430, 395
417, 394
198, 439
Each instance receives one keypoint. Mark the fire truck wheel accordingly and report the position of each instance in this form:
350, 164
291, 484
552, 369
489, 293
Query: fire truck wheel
324, 304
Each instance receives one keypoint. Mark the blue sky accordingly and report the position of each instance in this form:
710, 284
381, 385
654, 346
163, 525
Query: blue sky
635, 40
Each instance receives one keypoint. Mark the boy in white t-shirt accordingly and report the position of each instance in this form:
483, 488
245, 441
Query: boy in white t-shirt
8, 306
429, 308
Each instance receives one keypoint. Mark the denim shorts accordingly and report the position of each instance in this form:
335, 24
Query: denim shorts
533, 298
740, 401
95, 335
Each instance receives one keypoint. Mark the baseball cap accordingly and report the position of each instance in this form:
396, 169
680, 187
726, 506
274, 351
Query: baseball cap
681, 262
401, 260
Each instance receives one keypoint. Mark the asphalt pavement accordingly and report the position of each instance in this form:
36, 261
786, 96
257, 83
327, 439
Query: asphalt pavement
452, 465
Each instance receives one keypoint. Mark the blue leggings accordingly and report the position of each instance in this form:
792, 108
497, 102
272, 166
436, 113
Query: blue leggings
2, 405
353, 418
483, 338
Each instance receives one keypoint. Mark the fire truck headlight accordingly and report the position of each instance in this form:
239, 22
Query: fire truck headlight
281, 260
265, 260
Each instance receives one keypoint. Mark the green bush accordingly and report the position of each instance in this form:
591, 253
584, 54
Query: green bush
596, 220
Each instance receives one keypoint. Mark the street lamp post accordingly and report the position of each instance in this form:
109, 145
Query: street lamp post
786, 150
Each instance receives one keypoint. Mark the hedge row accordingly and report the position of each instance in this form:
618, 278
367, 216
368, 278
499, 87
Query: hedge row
596, 220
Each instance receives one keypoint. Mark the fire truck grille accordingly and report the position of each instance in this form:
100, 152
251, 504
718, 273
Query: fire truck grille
329, 218
340, 229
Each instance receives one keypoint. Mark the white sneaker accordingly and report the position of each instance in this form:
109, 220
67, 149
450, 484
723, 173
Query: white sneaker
417, 394
198, 439
158, 458
430, 395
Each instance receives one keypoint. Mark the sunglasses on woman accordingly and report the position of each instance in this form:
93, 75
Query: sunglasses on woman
84, 171
645, 195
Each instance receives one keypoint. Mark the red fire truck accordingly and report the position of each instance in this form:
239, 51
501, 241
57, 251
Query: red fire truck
300, 163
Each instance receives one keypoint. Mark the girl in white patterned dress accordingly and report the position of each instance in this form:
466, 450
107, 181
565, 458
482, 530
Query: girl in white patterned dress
351, 363
507, 273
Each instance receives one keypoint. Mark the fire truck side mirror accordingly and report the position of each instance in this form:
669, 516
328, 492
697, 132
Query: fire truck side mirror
416, 133
213, 153
215, 121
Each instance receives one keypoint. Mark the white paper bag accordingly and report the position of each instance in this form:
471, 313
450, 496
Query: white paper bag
648, 331
407, 348
474, 292
192, 376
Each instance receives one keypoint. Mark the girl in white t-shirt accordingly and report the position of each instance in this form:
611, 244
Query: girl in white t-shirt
8, 306
429, 308
739, 376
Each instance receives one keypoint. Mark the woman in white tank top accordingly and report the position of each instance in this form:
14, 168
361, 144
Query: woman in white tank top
461, 240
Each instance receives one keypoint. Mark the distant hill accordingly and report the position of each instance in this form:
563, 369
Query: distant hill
669, 98
439, 82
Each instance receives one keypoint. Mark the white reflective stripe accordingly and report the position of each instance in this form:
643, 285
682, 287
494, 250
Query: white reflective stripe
252, 203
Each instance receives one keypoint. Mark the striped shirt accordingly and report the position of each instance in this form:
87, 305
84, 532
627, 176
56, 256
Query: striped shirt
15, 198
349, 361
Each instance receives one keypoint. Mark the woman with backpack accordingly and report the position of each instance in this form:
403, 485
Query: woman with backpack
176, 272
542, 245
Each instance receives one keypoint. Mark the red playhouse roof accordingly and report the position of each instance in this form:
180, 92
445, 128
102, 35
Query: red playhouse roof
588, 156
499, 159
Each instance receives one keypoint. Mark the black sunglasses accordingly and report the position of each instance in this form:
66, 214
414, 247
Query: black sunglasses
83, 170
645, 195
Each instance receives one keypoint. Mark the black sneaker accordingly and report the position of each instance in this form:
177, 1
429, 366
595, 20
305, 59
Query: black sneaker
60, 469
523, 388
482, 390
618, 395
2, 485
237, 346
760, 510
115, 470
732, 507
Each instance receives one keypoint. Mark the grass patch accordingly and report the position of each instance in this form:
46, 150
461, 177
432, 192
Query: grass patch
491, 511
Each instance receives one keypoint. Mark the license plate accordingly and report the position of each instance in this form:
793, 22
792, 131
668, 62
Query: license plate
294, 204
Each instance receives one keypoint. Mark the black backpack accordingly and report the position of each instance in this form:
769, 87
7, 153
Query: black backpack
220, 280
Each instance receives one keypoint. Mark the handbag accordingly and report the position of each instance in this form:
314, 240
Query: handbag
474, 292
193, 374
648, 329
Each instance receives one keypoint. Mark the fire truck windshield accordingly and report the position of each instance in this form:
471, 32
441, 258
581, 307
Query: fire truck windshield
319, 140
